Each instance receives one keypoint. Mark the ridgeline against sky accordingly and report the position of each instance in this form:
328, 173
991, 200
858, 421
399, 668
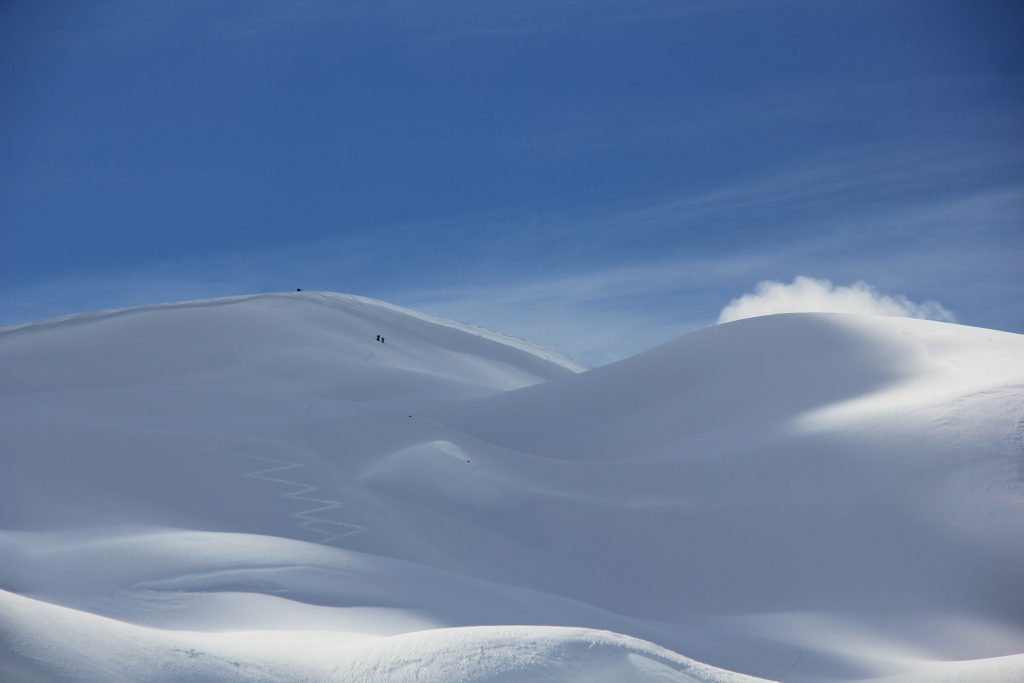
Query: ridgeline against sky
597, 176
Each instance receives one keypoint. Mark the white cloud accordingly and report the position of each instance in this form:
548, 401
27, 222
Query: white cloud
810, 295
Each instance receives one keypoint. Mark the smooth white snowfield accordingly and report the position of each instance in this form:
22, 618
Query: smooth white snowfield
254, 489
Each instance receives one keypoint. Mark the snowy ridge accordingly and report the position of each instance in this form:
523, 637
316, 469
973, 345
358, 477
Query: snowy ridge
523, 653
104, 313
538, 350
328, 299
257, 489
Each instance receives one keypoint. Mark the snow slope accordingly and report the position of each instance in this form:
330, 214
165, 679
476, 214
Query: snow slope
256, 489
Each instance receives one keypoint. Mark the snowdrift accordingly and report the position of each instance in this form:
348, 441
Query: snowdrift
256, 488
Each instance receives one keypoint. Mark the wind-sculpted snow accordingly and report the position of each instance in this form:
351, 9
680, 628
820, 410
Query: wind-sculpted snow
256, 489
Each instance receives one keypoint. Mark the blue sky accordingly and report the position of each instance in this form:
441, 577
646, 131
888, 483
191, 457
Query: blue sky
598, 176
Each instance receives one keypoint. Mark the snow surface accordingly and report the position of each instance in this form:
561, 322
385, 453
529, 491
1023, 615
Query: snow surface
254, 489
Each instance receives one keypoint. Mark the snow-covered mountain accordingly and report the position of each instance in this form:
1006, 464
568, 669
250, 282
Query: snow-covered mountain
256, 489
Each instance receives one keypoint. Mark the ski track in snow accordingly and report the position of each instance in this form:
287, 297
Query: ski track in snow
309, 518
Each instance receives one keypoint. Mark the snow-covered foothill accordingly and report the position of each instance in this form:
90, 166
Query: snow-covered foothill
257, 488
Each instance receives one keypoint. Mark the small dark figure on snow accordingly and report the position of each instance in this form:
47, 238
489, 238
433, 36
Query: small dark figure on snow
298, 289
378, 337
382, 340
